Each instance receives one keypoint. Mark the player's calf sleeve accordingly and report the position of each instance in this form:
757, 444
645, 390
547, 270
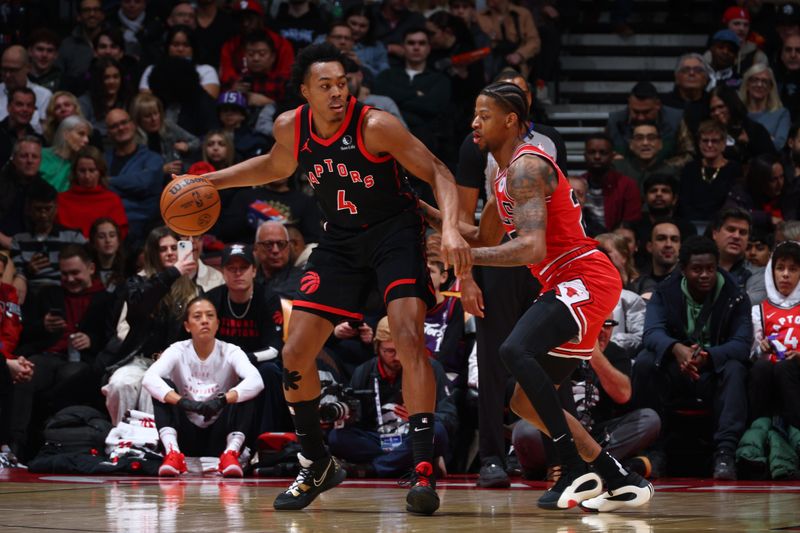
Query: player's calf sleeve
307, 428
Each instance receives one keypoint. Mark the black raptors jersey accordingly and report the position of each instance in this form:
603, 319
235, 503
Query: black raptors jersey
354, 188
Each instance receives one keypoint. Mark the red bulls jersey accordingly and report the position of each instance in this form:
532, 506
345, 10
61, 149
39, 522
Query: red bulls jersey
565, 237
785, 323
353, 187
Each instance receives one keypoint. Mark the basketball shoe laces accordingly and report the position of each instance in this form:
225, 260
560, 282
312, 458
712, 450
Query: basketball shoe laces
420, 476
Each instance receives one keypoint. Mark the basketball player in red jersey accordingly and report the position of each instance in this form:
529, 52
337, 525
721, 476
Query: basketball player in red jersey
351, 155
534, 204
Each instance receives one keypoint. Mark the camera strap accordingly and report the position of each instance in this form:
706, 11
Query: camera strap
379, 415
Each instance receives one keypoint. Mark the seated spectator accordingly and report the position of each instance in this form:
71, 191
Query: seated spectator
64, 104
43, 50
21, 107
76, 51
421, 93
16, 178
88, 197
389, 22
365, 441
203, 391
515, 39
260, 81
300, 22
164, 137
182, 14
141, 29
737, 19
175, 82
155, 299
644, 105
745, 138
760, 97
278, 200
272, 252
730, 230
643, 158
110, 44
612, 197
35, 252
232, 112
705, 183
71, 137
363, 93
444, 327
787, 75
108, 255
136, 173
790, 157
66, 325
180, 42
218, 152
692, 74
16, 65
108, 90
628, 316
372, 55
214, 27
13, 369
775, 346
601, 390
721, 55
759, 248
251, 317
467, 11
663, 247
250, 17
766, 193
619, 253
697, 342
660, 201
340, 35
581, 187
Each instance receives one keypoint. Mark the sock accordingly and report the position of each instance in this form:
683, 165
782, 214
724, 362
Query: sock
307, 428
169, 439
235, 441
610, 470
421, 427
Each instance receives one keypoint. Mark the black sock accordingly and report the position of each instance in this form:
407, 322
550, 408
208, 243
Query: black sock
421, 428
307, 428
610, 470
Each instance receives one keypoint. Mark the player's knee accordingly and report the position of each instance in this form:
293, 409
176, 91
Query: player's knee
408, 340
511, 354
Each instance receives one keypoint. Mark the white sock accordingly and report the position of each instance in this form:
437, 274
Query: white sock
235, 441
169, 438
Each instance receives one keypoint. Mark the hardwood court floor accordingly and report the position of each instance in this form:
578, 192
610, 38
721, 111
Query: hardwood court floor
208, 504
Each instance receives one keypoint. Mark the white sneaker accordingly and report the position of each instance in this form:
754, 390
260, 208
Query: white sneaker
636, 492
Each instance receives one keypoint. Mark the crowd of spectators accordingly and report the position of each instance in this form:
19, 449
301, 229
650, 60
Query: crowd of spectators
687, 192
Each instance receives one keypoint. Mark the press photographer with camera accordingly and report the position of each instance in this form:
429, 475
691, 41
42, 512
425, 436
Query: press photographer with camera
378, 441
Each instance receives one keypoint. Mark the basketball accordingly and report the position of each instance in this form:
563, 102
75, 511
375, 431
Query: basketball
190, 205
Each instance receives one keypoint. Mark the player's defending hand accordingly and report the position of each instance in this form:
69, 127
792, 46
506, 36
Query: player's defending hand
471, 297
456, 252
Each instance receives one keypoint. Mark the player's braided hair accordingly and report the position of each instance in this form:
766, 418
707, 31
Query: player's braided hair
313, 53
510, 97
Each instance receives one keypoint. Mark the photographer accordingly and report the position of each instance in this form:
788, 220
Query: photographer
380, 441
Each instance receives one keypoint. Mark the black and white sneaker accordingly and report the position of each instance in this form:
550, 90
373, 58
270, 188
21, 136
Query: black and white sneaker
635, 492
314, 478
573, 487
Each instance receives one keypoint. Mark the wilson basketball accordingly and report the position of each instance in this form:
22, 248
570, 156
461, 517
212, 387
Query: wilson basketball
190, 205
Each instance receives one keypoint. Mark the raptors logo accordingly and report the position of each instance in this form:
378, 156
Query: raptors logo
309, 283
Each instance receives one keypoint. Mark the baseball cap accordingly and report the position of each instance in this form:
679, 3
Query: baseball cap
248, 5
735, 13
788, 14
726, 36
232, 98
242, 251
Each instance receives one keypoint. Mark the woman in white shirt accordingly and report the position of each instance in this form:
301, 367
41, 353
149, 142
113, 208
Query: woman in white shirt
181, 43
203, 395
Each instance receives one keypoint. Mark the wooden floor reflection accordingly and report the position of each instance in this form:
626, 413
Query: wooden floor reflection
207, 504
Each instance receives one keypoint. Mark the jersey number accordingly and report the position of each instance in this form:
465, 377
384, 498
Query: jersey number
342, 203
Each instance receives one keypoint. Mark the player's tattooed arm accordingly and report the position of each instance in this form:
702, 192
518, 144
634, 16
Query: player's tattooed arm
529, 181
487, 233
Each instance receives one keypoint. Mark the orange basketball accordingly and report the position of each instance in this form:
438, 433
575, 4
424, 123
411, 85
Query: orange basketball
190, 205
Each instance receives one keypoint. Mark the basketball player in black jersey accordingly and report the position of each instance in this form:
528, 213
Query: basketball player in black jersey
352, 157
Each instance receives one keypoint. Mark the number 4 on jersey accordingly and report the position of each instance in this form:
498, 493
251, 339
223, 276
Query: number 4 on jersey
342, 203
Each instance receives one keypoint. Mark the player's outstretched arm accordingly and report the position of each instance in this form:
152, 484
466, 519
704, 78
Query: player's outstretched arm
487, 233
383, 133
279, 163
529, 180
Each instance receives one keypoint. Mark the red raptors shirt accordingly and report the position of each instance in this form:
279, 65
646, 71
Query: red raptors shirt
785, 323
564, 235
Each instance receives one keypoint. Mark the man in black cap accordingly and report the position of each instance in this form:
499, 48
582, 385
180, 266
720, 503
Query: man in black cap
644, 105
724, 49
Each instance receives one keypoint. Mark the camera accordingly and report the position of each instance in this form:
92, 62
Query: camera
345, 408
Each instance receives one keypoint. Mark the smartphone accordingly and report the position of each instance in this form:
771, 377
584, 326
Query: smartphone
184, 249
354, 324
56, 311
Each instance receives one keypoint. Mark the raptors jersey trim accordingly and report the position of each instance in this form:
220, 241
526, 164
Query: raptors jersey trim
782, 322
354, 188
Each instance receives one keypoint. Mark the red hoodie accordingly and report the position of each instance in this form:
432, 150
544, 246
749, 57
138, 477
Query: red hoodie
79, 207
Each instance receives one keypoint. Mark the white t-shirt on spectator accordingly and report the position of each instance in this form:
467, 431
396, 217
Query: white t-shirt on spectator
208, 76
